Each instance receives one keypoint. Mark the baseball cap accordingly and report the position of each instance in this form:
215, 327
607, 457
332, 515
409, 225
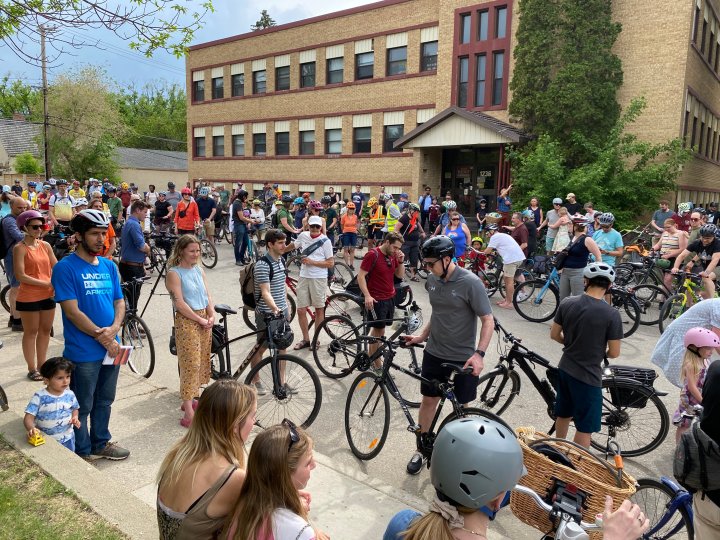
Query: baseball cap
557, 200
315, 220
570, 195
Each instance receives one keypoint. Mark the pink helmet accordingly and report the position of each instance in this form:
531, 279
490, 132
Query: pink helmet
28, 215
316, 205
701, 337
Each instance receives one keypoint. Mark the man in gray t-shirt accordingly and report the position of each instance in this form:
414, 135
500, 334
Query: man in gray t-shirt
551, 217
458, 299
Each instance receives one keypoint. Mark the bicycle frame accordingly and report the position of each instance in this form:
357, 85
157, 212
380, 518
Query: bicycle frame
682, 498
552, 279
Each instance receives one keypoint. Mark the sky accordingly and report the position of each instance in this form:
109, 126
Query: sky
131, 69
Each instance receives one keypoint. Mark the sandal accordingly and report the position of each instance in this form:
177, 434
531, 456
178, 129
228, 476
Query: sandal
303, 344
415, 278
34, 375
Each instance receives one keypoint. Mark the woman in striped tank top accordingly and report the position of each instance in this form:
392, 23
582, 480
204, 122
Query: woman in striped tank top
671, 244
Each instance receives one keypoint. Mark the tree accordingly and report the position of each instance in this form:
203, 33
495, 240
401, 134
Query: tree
18, 97
26, 163
155, 117
265, 21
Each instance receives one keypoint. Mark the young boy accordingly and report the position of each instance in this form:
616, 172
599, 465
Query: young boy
54, 410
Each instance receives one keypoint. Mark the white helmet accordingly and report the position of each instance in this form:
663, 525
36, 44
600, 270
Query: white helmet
88, 219
80, 201
599, 269
606, 219
684, 207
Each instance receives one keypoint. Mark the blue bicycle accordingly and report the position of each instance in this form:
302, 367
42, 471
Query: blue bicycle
537, 300
667, 506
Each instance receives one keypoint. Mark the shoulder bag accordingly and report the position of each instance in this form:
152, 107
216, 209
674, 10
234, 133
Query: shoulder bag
560, 257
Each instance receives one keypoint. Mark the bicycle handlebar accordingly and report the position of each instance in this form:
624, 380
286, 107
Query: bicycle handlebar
597, 526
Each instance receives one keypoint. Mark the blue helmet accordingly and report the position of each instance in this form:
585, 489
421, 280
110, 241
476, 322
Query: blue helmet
299, 200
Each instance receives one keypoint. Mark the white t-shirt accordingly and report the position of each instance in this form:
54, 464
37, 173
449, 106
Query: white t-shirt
289, 526
258, 216
323, 253
151, 197
507, 247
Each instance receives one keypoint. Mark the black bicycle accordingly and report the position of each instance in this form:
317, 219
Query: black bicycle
136, 333
632, 412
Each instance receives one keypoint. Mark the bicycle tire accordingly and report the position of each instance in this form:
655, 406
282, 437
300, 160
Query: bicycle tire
4, 403
342, 275
335, 346
4, 297
650, 299
347, 305
629, 311
250, 320
142, 357
671, 310
490, 280
361, 247
208, 253
367, 401
537, 304
292, 266
653, 497
623, 418
529, 276
302, 407
494, 395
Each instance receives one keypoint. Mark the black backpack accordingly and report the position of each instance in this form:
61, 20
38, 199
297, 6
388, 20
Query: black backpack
4, 248
697, 460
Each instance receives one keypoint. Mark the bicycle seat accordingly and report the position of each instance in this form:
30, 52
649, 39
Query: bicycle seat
224, 309
637, 264
457, 369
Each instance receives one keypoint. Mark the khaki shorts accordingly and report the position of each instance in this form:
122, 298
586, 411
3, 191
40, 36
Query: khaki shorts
209, 227
311, 292
510, 269
706, 517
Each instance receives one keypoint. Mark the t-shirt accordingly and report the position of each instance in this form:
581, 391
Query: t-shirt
277, 286
237, 208
205, 206
507, 247
298, 218
53, 413
520, 235
96, 288
330, 216
284, 213
659, 217
411, 232
552, 218
258, 217
704, 252
683, 222
710, 422
573, 208
588, 324
504, 204
151, 197
323, 253
359, 200
608, 241
456, 305
162, 209
62, 205
380, 273
349, 223
115, 206
532, 237
289, 526
174, 198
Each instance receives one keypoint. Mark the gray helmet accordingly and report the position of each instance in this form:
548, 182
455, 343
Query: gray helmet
708, 230
606, 219
599, 269
326, 199
287, 199
437, 247
474, 460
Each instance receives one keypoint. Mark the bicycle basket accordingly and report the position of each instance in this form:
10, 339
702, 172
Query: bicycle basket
622, 397
589, 476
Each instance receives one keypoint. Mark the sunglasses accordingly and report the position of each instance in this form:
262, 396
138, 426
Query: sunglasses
294, 437
695, 219
455, 219
316, 226
35, 227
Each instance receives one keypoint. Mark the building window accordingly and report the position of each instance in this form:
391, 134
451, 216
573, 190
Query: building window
364, 65
708, 142
282, 143
282, 78
198, 90
702, 137
498, 67
333, 141
362, 140
696, 23
694, 133
396, 61
392, 134
483, 19
462, 81
307, 75
307, 143
334, 70
199, 146
428, 56
465, 28
501, 22
238, 85
259, 82
217, 88
238, 143
481, 61
218, 145
259, 144
704, 34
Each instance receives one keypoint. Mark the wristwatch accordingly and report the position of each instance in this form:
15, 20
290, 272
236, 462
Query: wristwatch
480, 352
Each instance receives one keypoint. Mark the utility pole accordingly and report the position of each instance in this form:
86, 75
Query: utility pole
46, 118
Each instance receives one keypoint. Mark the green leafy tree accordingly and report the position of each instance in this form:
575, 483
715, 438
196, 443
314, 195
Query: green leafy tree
265, 21
155, 117
26, 163
18, 97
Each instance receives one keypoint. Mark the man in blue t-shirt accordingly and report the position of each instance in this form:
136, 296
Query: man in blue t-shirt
608, 239
87, 287
359, 199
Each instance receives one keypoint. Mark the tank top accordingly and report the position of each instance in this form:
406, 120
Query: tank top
669, 242
458, 238
193, 287
349, 223
37, 265
578, 255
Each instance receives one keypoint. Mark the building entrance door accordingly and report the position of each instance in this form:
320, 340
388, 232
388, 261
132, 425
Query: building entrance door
469, 175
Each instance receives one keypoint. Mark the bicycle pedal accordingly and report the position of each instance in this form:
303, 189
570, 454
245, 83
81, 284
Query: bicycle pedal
414, 428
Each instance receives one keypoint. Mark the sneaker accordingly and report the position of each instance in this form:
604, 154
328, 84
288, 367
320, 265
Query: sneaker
415, 464
260, 388
112, 451
290, 390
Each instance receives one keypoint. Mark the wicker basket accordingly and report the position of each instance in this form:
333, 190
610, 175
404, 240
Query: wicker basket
590, 476
493, 217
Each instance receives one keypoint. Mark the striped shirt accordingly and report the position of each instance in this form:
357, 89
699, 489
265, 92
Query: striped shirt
277, 286
669, 242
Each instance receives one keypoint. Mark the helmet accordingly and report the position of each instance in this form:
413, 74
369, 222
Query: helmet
606, 219
80, 201
386, 197
528, 214
124, 185
88, 219
413, 207
708, 230
282, 334
76, 182
278, 203
372, 201
257, 202
62, 182
204, 191
492, 227
6, 189
171, 185
581, 220
111, 189
163, 193
32, 184
475, 459
52, 181
437, 247
477, 239
684, 207
326, 199
557, 200
276, 185
404, 195
450, 205
299, 200
414, 320
699, 337
316, 205
599, 269
350, 206
186, 191
287, 198
26, 216
46, 186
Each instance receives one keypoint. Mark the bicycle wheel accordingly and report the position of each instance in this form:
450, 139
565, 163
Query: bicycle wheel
342, 275
632, 415
650, 300
299, 397
249, 314
490, 280
535, 302
629, 312
671, 310
4, 294
4, 403
137, 334
293, 265
408, 388
367, 416
335, 346
361, 247
654, 499
208, 253
345, 304
496, 391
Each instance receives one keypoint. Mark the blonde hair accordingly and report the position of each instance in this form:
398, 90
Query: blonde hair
268, 484
180, 244
562, 212
432, 526
692, 362
223, 408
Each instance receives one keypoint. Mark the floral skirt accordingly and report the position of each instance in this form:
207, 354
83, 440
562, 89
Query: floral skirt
193, 352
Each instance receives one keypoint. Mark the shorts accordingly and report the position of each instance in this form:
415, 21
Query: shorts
349, 239
549, 243
411, 250
384, 312
40, 305
510, 269
377, 234
465, 385
12, 280
580, 401
260, 323
311, 292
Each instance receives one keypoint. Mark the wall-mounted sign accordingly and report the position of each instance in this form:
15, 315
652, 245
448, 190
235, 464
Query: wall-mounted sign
484, 174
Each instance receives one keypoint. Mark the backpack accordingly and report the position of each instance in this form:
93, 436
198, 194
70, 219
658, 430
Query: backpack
697, 461
247, 282
352, 287
274, 220
4, 248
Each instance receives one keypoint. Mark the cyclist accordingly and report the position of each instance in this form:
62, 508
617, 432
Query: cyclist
608, 240
285, 218
580, 248
331, 217
207, 207
376, 221
706, 252
449, 206
551, 218
458, 298
589, 330
512, 258
61, 211
163, 212
409, 227
134, 249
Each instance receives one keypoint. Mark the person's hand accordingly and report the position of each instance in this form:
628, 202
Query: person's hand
75, 422
306, 260
305, 499
105, 335
674, 270
413, 339
475, 362
210, 321
321, 535
400, 257
32, 431
704, 274
369, 302
113, 348
628, 522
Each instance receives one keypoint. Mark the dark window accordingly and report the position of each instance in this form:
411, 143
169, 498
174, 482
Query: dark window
717, 57
282, 143
396, 61
392, 134
711, 47
462, 82
428, 56
713, 153
282, 78
200, 146
481, 61
483, 18
708, 142
238, 143
364, 65
259, 144
198, 90
686, 126
238, 85
465, 28
307, 143
334, 70
498, 68
702, 137
259, 82
704, 34
333, 141
362, 140
307, 75
217, 88
696, 22
501, 22
694, 133
218, 145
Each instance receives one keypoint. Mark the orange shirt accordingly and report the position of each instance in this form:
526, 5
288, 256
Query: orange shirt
192, 216
37, 265
110, 235
349, 223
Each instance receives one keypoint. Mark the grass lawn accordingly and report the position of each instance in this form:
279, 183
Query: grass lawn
35, 506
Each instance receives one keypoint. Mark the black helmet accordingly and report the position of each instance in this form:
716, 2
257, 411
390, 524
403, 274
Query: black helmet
287, 199
171, 185
282, 334
708, 230
326, 199
437, 247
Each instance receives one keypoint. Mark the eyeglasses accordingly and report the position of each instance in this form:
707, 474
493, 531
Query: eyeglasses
35, 227
429, 264
694, 219
294, 437
316, 226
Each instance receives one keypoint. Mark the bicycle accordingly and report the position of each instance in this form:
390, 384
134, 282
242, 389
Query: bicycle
686, 295
208, 251
667, 506
474, 261
626, 391
338, 279
136, 333
293, 386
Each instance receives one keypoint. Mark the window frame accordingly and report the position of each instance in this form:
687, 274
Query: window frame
463, 85
235, 138
197, 151
304, 150
425, 59
329, 72
388, 141
465, 34
197, 89
285, 144
256, 143
389, 63
357, 141
256, 82
365, 66
495, 78
305, 83
284, 77
240, 78
221, 146
328, 142
217, 90
480, 83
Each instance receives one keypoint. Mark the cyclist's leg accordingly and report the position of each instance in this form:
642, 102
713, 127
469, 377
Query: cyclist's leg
580, 402
304, 301
709, 286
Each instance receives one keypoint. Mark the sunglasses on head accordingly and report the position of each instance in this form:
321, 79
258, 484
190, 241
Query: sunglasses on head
294, 437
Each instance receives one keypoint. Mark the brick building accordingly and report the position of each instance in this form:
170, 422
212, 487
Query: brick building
407, 93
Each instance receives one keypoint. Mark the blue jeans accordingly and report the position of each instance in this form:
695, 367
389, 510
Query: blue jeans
241, 242
94, 386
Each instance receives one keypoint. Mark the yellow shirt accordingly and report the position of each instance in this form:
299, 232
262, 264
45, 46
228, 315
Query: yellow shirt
77, 193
